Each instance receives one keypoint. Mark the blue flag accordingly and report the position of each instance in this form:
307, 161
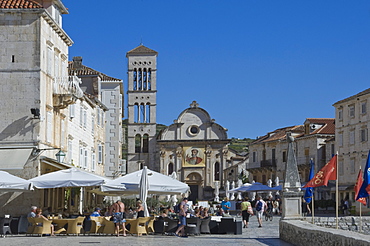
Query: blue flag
365, 188
309, 190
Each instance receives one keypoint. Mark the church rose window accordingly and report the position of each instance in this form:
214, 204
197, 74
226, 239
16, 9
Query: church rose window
193, 130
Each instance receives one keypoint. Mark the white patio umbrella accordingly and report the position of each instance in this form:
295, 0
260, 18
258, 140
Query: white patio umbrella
269, 184
72, 177
144, 186
277, 184
10, 182
217, 191
232, 196
227, 188
253, 194
240, 183
173, 198
158, 184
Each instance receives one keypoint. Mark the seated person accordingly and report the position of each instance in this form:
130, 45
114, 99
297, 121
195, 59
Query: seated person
96, 213
47, 212
197, 212
164, 213
39, 215
32, 214
220, 212
204, 213
65, 213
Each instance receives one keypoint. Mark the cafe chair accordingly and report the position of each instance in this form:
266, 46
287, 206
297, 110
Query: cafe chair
108, 226
5, 226
42, 226
204, 225
150, 225
159, 225
31, 226
170, 225
96, 225
138, 226
75, 226
192, 226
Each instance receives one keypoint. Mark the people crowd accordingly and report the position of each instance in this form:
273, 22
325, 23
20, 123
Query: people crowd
118, 212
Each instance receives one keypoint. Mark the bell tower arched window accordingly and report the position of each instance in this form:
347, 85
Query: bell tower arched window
217, 171
140, 80
137, 143
146, 143
145, 80
149, 78
147, 113
136, 113
135, 79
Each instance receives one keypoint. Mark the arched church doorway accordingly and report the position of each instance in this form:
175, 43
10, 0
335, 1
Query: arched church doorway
194, 180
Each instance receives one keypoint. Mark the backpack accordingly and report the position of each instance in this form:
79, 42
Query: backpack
259, 206
176, 208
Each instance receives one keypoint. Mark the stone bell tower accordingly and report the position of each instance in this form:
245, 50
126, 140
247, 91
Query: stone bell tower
142, 108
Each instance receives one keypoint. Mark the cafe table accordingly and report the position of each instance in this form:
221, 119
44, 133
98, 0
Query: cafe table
61, 222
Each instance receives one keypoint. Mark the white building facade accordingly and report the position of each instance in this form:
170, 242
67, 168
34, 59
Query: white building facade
352, 117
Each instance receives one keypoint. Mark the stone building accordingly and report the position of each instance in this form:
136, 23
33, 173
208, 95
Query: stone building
141, 108
268, 154
196, 148
352, 121
109, 91
36, 93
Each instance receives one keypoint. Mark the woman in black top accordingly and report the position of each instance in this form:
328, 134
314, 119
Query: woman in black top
139, 209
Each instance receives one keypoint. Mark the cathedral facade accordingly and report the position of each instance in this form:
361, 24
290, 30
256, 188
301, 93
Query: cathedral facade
194, 147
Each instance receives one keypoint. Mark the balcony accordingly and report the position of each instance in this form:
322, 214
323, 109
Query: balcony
66, 91
268, 163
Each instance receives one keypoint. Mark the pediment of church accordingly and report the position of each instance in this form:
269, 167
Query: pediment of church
194, 123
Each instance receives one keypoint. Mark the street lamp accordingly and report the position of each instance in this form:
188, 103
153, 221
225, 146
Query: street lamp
60, 156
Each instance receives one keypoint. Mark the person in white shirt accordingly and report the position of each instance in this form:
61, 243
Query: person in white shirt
260, 206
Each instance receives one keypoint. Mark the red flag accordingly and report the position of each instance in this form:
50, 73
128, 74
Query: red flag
357, 188
328, 172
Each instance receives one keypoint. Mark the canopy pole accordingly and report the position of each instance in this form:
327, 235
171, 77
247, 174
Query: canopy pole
313, 206
336, 194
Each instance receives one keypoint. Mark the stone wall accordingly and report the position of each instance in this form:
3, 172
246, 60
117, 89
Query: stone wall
347, 223
303, 233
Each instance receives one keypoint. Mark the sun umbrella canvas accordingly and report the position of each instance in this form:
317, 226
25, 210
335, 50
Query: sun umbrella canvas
72, 177
144, 186
10, 182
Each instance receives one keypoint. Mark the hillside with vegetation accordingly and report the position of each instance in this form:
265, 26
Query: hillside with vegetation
240, 145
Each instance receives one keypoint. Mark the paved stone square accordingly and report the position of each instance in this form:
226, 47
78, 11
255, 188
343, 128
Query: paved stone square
267, 235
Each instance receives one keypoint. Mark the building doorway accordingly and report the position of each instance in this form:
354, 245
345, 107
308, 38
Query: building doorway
193, 193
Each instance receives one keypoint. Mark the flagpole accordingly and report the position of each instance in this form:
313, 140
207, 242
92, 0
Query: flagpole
360, 212
336, 193
313, 207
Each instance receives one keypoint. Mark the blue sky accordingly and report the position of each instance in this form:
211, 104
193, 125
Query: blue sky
255, 66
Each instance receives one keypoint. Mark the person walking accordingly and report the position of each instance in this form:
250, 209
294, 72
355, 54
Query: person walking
247, 210
182, 217
260, 206
118, 211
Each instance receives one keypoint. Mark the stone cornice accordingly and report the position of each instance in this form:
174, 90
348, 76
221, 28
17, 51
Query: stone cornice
62, 34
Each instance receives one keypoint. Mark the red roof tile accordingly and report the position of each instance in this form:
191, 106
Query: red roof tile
141, 49
80, 70
327, 128
19, 4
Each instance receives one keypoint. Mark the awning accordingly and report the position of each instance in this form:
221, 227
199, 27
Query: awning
14, 158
